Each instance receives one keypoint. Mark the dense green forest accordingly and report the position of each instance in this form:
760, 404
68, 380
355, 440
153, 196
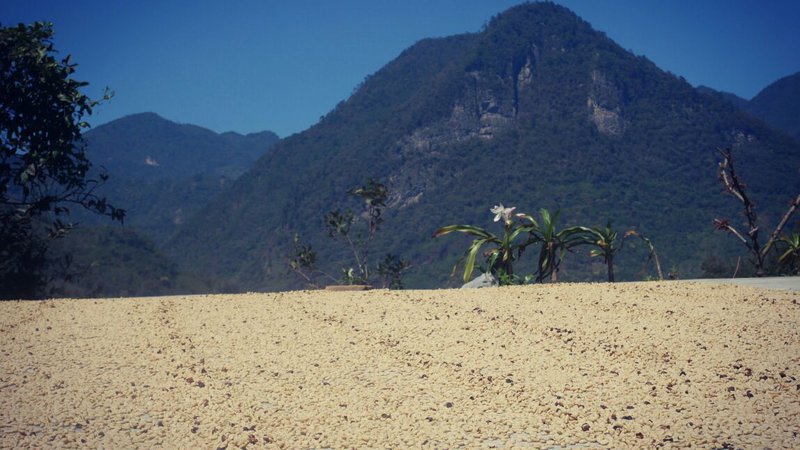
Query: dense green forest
537, 110
164, 171
161, 172
777, 105
112, 261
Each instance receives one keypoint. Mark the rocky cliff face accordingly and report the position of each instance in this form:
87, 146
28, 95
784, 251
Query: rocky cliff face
605, 105
487, 103
485, 106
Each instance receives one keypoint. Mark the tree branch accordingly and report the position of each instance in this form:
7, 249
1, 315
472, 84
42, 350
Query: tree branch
732, 184
789, 213
724, 225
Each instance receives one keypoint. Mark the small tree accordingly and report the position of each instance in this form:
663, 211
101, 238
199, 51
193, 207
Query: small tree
391, 269
343, 225
517, 236
303, 260
607, 245
554, 244
340, 226
43, 163
737, 188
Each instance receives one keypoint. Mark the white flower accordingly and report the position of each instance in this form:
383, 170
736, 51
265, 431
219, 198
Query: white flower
498, 211
502, 212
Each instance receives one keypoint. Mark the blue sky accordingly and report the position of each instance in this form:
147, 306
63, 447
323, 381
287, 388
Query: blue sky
249, 65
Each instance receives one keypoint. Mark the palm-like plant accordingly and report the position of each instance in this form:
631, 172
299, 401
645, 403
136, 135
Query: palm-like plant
554, 244
500, 258
607, 245
791, 256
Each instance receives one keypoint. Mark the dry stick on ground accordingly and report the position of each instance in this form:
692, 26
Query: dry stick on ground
734, 186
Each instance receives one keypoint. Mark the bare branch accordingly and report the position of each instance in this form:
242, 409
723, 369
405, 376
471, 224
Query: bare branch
723, 225
725, 166
788, 215
734, 186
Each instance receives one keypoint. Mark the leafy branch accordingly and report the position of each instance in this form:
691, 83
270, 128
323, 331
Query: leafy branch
342, 225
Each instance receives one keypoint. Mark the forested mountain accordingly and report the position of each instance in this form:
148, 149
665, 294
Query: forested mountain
537, 110
146, 146
777, 104
737, 101
162, 172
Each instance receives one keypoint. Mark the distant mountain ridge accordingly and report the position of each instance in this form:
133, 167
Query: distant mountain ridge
777, 104
537, 110
734, 99
146, 146
161, 171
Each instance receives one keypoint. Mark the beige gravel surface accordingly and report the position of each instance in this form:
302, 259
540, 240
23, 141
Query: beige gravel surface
567, 366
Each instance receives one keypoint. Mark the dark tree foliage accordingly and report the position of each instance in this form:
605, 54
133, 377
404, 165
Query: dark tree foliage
43, 163
374, 195
391, 269
22, 252
339, 225
344, 226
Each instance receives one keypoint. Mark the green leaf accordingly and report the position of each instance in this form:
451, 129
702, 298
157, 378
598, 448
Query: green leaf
467, 229
469, 265
786, 254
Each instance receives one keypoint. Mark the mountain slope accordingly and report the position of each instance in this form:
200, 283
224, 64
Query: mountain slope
538, 110
734, 99
162, 172
112, 261
779, 104
146, 146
